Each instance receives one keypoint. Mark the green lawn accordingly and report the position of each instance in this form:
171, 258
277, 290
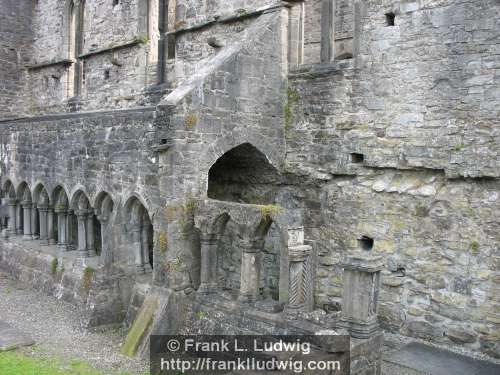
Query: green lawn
15, 363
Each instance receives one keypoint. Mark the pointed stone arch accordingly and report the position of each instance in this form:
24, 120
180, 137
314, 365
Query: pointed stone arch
243, 174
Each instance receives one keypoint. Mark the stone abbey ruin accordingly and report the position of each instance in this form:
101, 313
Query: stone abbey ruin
257, 166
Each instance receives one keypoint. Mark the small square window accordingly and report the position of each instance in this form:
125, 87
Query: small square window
106, 74
390, 19
357, 158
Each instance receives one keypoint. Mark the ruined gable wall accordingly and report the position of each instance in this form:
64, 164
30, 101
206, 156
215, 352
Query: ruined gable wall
419, 101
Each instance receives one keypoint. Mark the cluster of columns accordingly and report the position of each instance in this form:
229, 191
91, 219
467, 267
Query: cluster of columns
25, 217
299, 289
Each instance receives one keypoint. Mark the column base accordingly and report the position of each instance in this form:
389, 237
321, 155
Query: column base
63, 248
360, 330
35, 237
27, 237
83, 254
139, 269
206, 288
52, 241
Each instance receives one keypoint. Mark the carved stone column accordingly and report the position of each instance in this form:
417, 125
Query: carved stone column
51, 240
62, 228
299, 283
136, 243
90, 234
82, 233
250, 270
19, 220
43, 209
12, 215
27, 207
34, 219
208, 271
361, 285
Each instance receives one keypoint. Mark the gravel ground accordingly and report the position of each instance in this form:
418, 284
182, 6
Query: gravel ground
55, 328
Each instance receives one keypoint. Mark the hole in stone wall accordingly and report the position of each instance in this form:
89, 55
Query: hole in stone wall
357, 158
366, 243
163, 141
106, 74
390, 19
116, 2
243, 174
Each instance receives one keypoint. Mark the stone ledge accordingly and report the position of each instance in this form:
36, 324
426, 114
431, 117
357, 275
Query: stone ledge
46, 64
132, 43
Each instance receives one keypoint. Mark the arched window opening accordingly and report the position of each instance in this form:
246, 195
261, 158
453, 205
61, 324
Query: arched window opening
83, 234
75, 19
140, 230
243, 174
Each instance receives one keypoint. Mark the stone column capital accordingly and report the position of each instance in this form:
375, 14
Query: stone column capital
60, 210
363, 262
103, 218
26, 204
43, 207
299, 253
12, 202
208, 238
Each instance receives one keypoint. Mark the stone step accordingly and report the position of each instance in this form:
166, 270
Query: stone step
416, 359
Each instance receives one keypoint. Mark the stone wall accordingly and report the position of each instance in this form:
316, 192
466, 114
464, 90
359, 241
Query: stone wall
399, 145
15, 37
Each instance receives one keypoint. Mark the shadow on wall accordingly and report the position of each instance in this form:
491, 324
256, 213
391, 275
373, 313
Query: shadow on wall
244, 175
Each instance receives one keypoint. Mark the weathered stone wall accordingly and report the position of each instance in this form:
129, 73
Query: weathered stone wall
95, 152
418, 106
15, 35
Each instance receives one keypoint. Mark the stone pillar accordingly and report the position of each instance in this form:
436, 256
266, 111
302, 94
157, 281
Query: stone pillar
361, 285
299, 281
145, 248
12, 216
250, 270
62, 229
327, 31
43, 223
51, 240
27, 207
19, 219
34, 219
81, 216
208, 269
106, 256
136, 243
90, 234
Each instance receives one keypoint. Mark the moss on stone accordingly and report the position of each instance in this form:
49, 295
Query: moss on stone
474, 247
53, 266
140, 326
288, 110
88, 273
162, 242
270, 210
190, 121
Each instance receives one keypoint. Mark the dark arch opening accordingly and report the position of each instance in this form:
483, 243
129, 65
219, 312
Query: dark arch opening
243, 174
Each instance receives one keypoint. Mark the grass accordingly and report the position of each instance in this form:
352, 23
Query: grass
140, 326
15, 363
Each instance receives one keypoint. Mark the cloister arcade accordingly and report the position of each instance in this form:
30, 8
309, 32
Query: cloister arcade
76, 224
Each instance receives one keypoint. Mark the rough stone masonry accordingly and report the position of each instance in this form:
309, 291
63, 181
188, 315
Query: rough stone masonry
260, 153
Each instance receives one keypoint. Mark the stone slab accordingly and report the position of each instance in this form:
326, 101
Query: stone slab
11, 338
426, 359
